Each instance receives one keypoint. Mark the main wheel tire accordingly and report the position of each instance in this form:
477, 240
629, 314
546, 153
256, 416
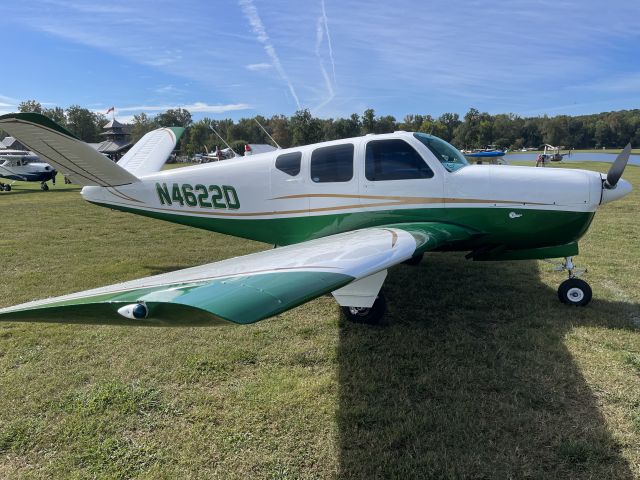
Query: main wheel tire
7, 188
415, 260
44, 187
369, 316
574, 292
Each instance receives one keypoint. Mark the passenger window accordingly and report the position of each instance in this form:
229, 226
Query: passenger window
394, 160
332, 164
289, 163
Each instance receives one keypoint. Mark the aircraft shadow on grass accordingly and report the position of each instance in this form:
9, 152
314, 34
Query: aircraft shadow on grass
471, 378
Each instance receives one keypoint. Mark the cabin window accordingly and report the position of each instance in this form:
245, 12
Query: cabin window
332, 164
448, 155
289, 163
394, 160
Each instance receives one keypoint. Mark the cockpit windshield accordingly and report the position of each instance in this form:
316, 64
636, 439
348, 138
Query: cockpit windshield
448, 155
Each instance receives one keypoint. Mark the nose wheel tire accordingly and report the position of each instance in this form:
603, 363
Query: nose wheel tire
369, 316
574, 292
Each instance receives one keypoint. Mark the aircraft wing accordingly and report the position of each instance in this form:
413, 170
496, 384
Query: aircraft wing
245, 289
5, 172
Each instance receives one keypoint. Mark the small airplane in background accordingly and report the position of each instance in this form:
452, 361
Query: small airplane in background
341, 212
24, 166
553, 153
550, 154
216, 155
228, 153
489, 155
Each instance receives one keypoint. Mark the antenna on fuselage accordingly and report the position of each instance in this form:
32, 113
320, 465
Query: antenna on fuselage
223, 141
267, 133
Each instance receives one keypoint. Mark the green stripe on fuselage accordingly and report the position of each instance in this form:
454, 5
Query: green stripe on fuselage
528, 228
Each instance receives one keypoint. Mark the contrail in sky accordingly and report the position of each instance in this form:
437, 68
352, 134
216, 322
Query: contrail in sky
322, 29
251, 12
319, 35
326, 28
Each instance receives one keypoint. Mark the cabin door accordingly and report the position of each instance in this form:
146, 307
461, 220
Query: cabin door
397, 182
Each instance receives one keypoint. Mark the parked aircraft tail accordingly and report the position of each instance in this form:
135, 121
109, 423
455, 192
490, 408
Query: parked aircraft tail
80, 162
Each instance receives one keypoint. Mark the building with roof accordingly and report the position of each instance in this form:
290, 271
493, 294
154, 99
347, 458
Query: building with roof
117, 142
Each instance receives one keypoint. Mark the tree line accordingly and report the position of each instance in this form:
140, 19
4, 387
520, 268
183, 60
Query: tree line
475, 130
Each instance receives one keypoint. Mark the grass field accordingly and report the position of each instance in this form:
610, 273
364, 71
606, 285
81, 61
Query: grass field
479, 371
634, 151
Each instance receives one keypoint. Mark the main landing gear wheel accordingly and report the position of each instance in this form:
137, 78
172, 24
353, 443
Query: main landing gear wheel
369, 316
415, 260
574, 292
44, 187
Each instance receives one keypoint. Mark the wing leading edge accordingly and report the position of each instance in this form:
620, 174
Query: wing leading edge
244, 289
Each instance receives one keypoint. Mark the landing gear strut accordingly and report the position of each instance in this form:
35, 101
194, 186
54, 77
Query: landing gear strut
573, 291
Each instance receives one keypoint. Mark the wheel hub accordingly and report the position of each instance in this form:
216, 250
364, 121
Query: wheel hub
575, 294
360, 311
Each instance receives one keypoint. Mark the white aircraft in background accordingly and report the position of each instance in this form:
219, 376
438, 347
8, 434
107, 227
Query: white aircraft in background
343, 213
24, 166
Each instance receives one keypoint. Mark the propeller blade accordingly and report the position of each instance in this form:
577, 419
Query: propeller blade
616, 170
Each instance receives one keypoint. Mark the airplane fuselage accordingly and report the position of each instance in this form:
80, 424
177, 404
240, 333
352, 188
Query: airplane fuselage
24, 166
293, 195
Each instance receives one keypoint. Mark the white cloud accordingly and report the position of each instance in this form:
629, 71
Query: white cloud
196, 107
620, 83
8, 101
168, 89
258, 66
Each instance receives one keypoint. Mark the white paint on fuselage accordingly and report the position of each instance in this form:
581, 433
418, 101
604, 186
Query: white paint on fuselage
260, 186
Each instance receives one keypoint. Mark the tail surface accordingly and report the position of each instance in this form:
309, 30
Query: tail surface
150, 153
83, 164
76, 159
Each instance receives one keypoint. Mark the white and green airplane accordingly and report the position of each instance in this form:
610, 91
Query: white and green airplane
341, 212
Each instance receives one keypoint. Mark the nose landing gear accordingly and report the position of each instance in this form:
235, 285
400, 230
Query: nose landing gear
573, 291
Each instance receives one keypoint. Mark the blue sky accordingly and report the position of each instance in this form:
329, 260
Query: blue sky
240, 58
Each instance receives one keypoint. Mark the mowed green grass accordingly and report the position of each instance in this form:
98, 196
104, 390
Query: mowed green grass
478, 372
634, 151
